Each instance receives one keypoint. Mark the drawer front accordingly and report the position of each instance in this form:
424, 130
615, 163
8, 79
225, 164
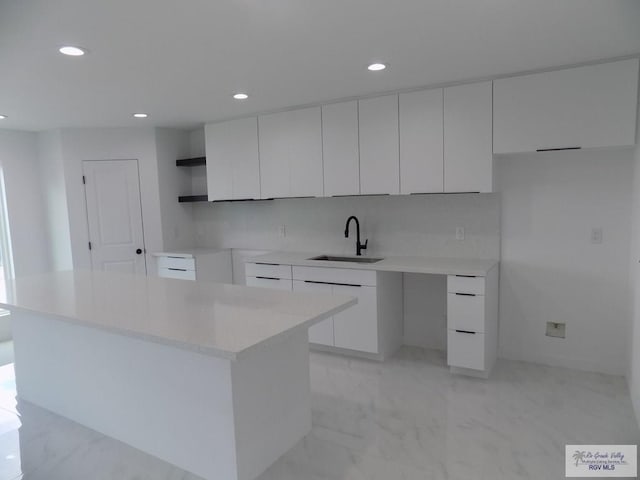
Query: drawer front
465, 312
465, 350
178, 273
177, 262
335, 275
461, 284
267, 270
275, 283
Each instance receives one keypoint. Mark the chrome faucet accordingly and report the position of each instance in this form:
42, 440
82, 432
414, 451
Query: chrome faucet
359, 246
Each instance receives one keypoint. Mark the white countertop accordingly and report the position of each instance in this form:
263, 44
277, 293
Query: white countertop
433, 265
216, 319
188, 252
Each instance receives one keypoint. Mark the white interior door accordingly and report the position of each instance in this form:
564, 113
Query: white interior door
114, 214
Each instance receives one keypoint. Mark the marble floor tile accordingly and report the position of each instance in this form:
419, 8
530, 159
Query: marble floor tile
405, 419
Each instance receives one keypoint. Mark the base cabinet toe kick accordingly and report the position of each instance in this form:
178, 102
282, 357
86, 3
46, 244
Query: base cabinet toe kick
374, 327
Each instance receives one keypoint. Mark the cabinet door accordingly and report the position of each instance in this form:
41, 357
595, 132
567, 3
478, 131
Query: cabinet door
340, 149
591, 106
468, 155
291, 153
421, 142
233, 169
356, 328
379, 145
321, 333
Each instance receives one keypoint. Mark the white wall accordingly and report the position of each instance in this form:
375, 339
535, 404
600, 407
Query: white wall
177, 218
633, 343
550, 270
400, 225
55, 198
79, 144
27, 219
25, 208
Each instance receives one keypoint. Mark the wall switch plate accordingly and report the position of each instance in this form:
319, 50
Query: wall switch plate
282, 231
460, 233
556, 329
596, 235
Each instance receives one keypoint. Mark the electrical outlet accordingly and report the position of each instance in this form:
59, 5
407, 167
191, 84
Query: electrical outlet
282, 231
460, 233
556, 329
596, 235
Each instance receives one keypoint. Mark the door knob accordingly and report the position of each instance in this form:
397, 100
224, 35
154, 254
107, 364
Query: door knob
139, 251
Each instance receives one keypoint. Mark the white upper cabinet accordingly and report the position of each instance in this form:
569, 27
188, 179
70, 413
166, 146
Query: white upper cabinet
340, 151
421, 142
379, 145
468, 158
591, 106
291, 154
233, 169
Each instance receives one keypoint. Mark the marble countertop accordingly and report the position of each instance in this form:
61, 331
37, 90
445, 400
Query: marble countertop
432, 265
215, 319
189, 252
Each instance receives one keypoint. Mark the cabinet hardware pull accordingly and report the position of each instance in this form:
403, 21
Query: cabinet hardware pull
557, 149
466, 294
181, 258
467, 276
333, 283
177, 269
466, 331
268, 278
272, 264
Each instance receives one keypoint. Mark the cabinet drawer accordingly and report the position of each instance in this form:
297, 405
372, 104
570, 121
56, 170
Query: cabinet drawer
178, 273
465, 350
465, 312
275, 283
335, 275
267, 270
462, 284
183, 263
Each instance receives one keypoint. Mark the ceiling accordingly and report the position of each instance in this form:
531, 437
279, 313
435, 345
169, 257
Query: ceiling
181, 61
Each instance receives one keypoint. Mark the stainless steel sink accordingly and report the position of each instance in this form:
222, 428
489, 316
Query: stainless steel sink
331, 258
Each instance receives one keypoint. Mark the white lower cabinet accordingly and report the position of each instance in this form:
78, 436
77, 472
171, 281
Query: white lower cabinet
472, 321
372, 326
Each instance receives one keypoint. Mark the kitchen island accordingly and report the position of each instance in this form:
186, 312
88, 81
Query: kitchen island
212, 378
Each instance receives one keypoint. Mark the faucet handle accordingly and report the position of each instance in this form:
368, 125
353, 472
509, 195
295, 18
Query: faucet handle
364, 247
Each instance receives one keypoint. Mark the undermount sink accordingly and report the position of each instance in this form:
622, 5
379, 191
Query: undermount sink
331, 258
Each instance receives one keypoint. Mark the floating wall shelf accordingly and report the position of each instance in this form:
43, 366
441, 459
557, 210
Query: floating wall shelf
193, 198
191, 162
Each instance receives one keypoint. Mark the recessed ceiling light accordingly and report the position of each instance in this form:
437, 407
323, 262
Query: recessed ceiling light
376, 67
241, 96
2, 117
141, 115
72, 51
